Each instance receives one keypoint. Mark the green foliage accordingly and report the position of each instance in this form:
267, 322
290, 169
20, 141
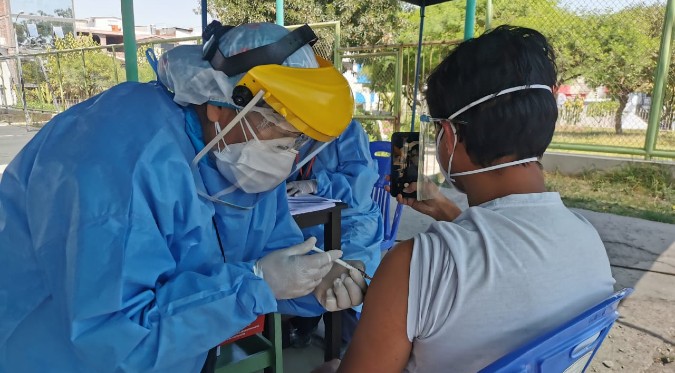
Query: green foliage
363, 22
77, 80
601, 109
571, 110
622, 53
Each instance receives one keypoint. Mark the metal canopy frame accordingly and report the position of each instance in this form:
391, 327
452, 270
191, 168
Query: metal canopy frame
469, 24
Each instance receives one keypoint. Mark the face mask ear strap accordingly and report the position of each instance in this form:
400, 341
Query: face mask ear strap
250, 128
227, 128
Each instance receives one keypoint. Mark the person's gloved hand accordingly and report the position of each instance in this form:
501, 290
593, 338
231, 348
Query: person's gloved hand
292, 274
293, 188
342, 288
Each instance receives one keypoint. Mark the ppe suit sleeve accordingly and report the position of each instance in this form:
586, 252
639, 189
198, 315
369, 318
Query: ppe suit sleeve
351, 179
148, 289
286, 233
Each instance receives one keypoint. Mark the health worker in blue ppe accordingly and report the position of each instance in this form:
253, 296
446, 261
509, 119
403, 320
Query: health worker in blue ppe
343, 170
128, 245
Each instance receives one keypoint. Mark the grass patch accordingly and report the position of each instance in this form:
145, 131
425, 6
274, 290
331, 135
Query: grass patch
641, 191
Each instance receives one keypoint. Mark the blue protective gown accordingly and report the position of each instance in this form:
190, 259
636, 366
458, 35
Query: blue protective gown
249, 234
110, 261
345, 170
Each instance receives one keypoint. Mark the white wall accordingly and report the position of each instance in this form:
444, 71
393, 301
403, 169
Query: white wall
6, 91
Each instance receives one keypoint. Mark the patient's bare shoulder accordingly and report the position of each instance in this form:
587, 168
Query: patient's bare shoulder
382, 330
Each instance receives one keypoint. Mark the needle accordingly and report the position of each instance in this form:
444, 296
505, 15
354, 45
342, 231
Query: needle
344, 264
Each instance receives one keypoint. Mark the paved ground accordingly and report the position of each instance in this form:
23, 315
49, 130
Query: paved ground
642, 254
12, 139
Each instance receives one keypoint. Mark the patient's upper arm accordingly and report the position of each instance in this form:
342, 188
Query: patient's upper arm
380, 343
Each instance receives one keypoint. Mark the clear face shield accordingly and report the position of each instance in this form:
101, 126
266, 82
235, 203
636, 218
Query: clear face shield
260, 147
429, 175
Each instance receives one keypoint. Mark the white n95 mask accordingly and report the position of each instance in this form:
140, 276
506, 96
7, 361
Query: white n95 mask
257, 166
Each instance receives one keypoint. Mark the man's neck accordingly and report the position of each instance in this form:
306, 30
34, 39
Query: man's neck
484, 187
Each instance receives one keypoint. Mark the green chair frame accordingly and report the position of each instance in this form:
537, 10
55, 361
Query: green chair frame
255, 353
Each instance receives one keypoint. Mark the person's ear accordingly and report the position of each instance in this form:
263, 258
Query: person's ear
449, 137
213, 112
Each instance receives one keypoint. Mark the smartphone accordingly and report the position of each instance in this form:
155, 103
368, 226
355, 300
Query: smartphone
405, 156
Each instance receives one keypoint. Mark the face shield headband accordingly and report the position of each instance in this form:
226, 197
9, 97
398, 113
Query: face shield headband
270, 54
427, 129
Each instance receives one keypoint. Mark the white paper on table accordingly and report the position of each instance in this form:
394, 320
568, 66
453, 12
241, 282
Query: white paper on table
309, 203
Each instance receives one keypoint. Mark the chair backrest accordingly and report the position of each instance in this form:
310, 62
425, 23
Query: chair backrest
569, 348
381, 153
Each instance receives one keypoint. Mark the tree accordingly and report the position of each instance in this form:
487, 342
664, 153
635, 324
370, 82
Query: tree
624, 60
363, 22
65, 13
77, 81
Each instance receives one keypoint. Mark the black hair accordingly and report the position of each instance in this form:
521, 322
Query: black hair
516, 124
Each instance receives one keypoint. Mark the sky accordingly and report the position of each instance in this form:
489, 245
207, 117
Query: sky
166, 13
163, 13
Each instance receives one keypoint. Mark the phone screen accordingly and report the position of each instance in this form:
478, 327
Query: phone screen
405, 156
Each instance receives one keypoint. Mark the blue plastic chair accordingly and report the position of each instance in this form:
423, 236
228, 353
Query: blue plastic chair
381, 196
569, 348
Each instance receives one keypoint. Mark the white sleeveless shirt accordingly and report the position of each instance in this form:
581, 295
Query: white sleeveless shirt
498, 276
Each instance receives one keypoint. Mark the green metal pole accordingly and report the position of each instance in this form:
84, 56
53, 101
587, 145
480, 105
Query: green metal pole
114, 62
398, 88
280, 12
130, 53
470, 19
418, 61
660, 79
87, 92
58, 67
488, 15
336, 48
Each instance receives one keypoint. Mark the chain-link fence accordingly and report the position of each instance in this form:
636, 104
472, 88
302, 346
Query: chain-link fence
383, 79
607, 53
73, 69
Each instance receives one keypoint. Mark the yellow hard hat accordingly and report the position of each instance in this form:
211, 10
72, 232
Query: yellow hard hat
318, 102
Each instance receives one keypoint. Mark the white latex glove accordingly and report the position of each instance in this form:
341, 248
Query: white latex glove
294, 188
292, 274
342, 288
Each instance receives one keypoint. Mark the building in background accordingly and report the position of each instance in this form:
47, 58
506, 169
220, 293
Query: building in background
108, 31
39, 22
7, 48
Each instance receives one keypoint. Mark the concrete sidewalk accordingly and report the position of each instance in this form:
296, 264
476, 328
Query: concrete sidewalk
12, 139
642, 255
